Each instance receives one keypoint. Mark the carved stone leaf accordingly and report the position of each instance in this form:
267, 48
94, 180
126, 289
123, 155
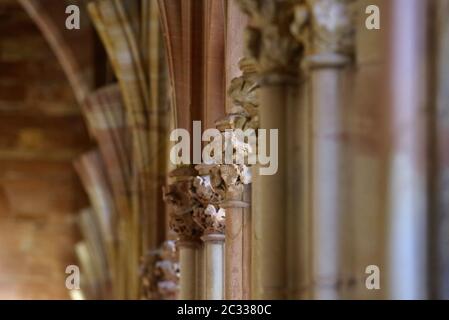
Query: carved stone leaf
177, 196
203, 190
168, 251
230, 174
245, 175
215, 177
232, 121
254, 123
184, 226
279, 52
242, 91
298, 28
168, 270
210, 219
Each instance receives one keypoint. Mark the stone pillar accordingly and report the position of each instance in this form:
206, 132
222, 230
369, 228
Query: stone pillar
188, 251
221, 186
238, 236
179, 197
326, 30
211, 219
439, 195
242, 115
238, 247
238, 218
407, 190
213, 250
276, 53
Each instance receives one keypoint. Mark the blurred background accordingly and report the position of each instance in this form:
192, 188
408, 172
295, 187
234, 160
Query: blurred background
42, 130
85, 116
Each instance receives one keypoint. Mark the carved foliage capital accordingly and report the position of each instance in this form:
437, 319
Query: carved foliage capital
160, 273
179, 197
228, 180
325, 26
216, 185
243, 93
204, 192
268, 39
333, 25
211, 219
207, 214
234, 178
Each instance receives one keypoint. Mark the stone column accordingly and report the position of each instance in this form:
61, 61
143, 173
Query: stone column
408, 183
188, 251
238, 247
242, 115
238, 218
326, 30
178, 195
440, 217
213, 222
211, 219
238, 237
219, 187
277, 54
213, 251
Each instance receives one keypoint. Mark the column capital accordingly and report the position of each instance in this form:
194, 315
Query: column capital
216, 188
326, 29
226, 181
208, 215
243, 92
160, 273
179, 197
211, 219
269, 41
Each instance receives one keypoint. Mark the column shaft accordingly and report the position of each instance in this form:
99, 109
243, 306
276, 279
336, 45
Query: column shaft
327, 179
188, 271
274, 100
238, 249
214, 266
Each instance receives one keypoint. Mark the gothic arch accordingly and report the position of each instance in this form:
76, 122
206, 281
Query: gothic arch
75, 59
